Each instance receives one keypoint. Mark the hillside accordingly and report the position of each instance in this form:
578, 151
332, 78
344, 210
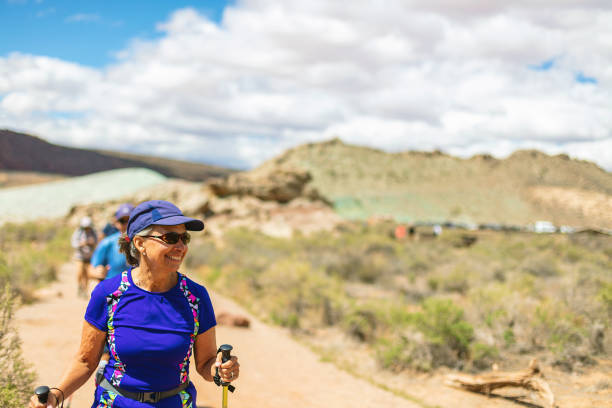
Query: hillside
433, 186
22, 152
55, 199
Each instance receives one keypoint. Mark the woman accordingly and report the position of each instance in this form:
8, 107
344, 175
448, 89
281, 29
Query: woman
151, 317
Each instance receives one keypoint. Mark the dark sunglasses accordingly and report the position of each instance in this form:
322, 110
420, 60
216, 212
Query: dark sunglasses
123, 220
171, 237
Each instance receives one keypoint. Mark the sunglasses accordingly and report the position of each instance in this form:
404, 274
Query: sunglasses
123, 220
172, 237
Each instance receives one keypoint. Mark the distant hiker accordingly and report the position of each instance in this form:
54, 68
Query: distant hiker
83, 241
109, 229
400, 232
152, 318
107, 261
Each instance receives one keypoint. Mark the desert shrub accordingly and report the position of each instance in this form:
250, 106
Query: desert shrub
541, 266
483, 355
438, 336
605, 296
298, 296
16, 377
509, 337
563, 333
442, 323
457, 280
361, 324
402, 352
32, 254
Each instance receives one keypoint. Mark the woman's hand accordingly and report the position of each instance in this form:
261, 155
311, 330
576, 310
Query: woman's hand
51, 402
230, 370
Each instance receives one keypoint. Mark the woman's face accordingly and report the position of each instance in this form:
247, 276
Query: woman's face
161, 255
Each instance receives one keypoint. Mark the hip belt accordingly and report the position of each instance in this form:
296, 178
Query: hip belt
146, 396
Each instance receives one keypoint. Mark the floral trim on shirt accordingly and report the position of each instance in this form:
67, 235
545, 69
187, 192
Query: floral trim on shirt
106, 402
112, 301
185, 399
194, 304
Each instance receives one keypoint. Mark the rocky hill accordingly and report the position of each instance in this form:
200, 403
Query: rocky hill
433, 186
26, 153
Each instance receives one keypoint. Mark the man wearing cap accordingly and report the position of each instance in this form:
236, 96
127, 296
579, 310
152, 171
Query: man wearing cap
83, 241
107, 261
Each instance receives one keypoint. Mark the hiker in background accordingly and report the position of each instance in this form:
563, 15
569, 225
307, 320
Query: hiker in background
152, 318
107, 261
83, 241
109, 229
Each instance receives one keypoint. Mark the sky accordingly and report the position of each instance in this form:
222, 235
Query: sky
235, 83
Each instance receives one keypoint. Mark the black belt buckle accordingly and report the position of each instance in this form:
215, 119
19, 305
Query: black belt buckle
149, 396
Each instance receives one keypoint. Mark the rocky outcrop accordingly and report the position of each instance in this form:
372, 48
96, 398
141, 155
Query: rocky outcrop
278, 203
280, 185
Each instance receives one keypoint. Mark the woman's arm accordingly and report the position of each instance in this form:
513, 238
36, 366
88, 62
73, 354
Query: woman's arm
205, 353
81, 367
85, 361
206, 358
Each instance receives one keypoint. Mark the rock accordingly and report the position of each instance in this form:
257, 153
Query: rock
280, 185
234, 320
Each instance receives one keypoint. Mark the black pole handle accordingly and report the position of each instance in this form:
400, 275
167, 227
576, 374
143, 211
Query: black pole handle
225, 352
225, 356
42, 393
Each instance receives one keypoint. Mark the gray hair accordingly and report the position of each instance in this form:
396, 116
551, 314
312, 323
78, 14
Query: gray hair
133, 251
127, 247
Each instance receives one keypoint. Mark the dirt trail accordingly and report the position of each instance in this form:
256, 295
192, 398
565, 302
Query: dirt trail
276, 371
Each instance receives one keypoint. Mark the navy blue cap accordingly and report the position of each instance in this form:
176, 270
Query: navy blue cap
159, 212
124, 210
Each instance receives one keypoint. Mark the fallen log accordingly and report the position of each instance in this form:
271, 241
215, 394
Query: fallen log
530, 379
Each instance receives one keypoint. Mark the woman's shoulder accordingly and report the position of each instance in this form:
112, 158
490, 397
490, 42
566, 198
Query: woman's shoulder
193, 286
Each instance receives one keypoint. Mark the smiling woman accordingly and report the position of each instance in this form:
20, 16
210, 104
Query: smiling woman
151, 317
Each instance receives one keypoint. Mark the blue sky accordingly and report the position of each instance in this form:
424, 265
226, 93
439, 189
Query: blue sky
237, 83
88, 32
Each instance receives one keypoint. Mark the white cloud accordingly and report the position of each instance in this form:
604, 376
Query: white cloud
82, 17
447, 74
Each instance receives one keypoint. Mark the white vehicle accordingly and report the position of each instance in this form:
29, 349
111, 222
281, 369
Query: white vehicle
544, 227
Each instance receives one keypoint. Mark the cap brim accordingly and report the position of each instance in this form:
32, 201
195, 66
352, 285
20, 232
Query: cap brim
191, 224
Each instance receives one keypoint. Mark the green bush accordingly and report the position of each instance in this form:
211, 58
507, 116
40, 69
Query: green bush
443, 324
483, 355
400, 353
605, 296
16, 377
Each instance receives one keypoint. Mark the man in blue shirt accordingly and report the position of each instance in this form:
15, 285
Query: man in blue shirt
106, 260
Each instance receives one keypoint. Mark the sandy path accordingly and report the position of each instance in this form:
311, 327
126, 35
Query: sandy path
276, 371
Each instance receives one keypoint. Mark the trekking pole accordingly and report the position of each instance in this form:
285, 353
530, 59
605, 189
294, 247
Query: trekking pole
225, 350
42, 393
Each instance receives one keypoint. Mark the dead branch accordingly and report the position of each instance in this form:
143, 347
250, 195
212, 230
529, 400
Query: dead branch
531, 379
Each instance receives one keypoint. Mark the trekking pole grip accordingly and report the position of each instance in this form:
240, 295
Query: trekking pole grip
42, 393
225, 352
